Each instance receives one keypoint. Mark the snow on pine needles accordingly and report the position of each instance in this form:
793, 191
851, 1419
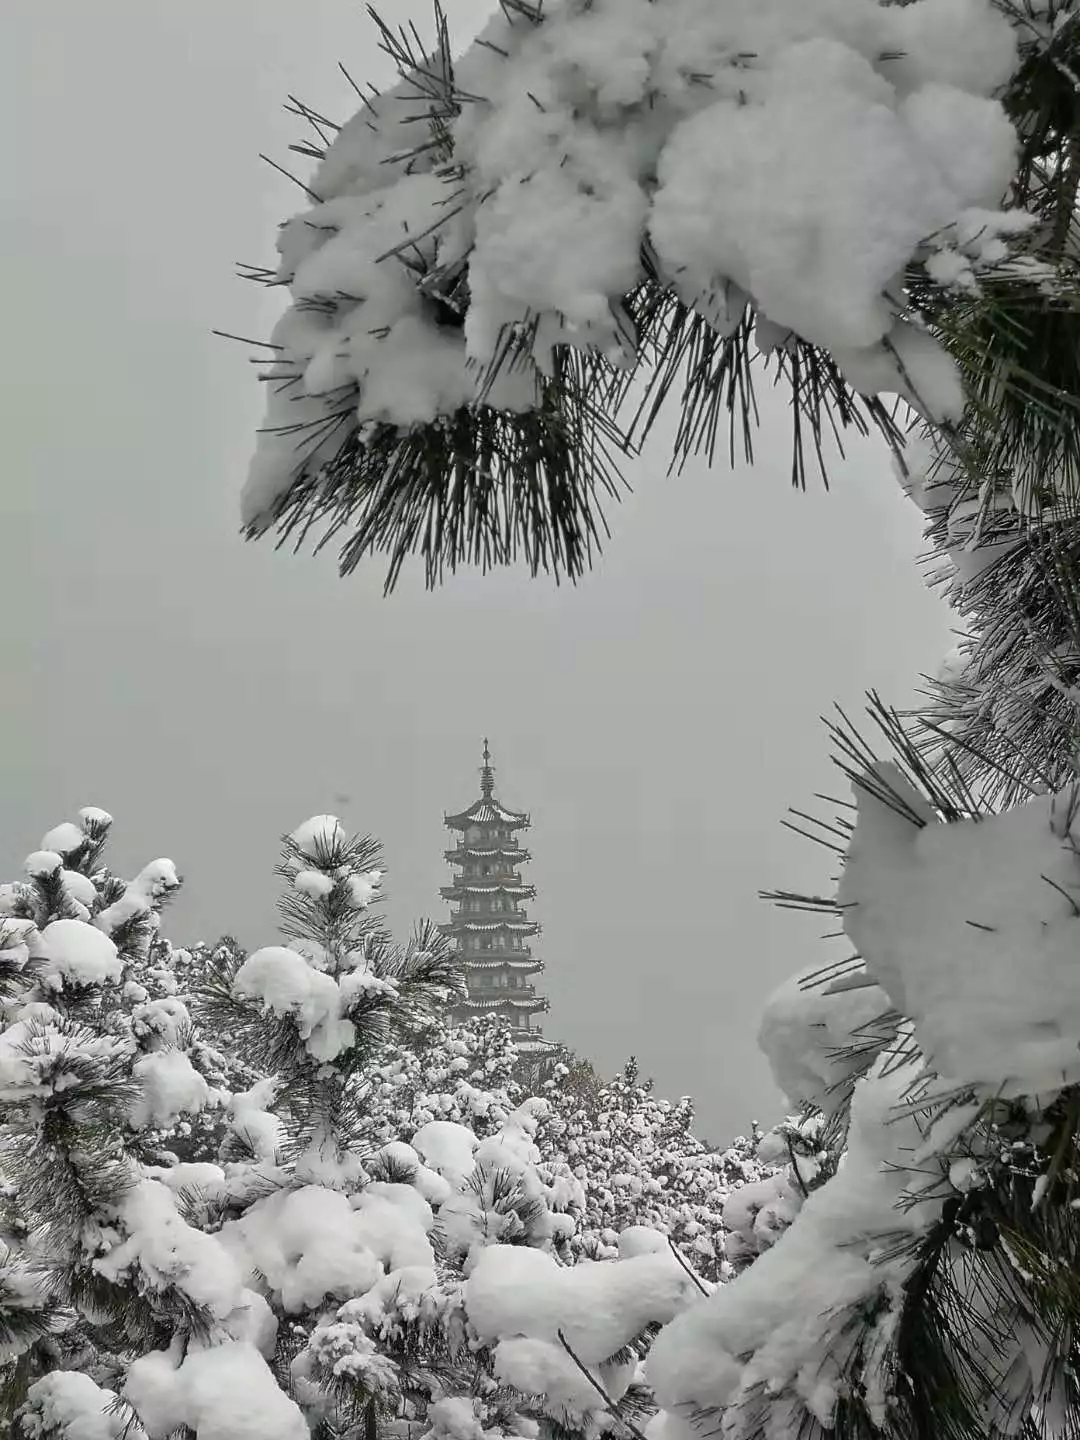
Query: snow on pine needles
500, 242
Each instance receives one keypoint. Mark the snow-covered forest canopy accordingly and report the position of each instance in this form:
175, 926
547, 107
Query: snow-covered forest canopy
275, 1194
253, 1194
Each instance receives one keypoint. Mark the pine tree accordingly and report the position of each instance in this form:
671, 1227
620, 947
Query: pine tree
87, 1065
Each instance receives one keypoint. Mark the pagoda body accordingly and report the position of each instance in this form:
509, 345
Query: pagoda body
488, 922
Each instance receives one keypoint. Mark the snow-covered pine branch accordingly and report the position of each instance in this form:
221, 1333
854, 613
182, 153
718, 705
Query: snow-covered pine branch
498, 245
925, 1274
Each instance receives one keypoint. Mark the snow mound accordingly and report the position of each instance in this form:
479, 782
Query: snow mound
597, 1306
972, 931
227, 1392
74, 953
319, 837
65, 839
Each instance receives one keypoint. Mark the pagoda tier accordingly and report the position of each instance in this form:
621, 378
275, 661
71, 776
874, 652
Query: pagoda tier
487, 924
487, 885
511, 854
505, 1002
488, 811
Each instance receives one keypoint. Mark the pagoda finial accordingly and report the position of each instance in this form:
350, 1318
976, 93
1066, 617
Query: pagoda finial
487, 774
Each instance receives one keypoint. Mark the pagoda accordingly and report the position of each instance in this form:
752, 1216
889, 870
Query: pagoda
488, 923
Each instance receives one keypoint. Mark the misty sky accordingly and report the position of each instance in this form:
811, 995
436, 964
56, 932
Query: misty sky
657, 719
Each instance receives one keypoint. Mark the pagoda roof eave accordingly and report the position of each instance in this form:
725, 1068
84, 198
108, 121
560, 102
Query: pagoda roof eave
485, 852
518, 927
473, 887
486, 811
511, 963
535, 1002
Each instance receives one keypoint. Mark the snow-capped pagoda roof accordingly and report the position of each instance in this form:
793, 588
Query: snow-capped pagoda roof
487, 810
519, 927
487, 886
512, 960
507, 1002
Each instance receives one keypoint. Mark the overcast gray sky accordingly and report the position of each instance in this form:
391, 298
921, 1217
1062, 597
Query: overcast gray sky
656, 719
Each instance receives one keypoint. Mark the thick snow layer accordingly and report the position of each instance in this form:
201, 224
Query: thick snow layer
162, 1250
37, 1056
599, 1306
394, 1225
94, 817
43, 863
804, 1030
17, 935
285, 984
66, 1405
313, 883
169, 1086
191, 1175
160, 1023
795, 155
821, 189
972, 930
454, 1418
74, 953
227, 1392
320, 837
65, 839
642, 1240
541, 1368
150, 888
778, 1323
401, 1197
447, 1148
758, 1213
80, 888
311, 1245
253, 1122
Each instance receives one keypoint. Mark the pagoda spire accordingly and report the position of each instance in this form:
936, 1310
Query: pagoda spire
489, 924
487, 774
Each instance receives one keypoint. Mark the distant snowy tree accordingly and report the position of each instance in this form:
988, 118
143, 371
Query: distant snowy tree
466, 1074
639, 1163
631, 1158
